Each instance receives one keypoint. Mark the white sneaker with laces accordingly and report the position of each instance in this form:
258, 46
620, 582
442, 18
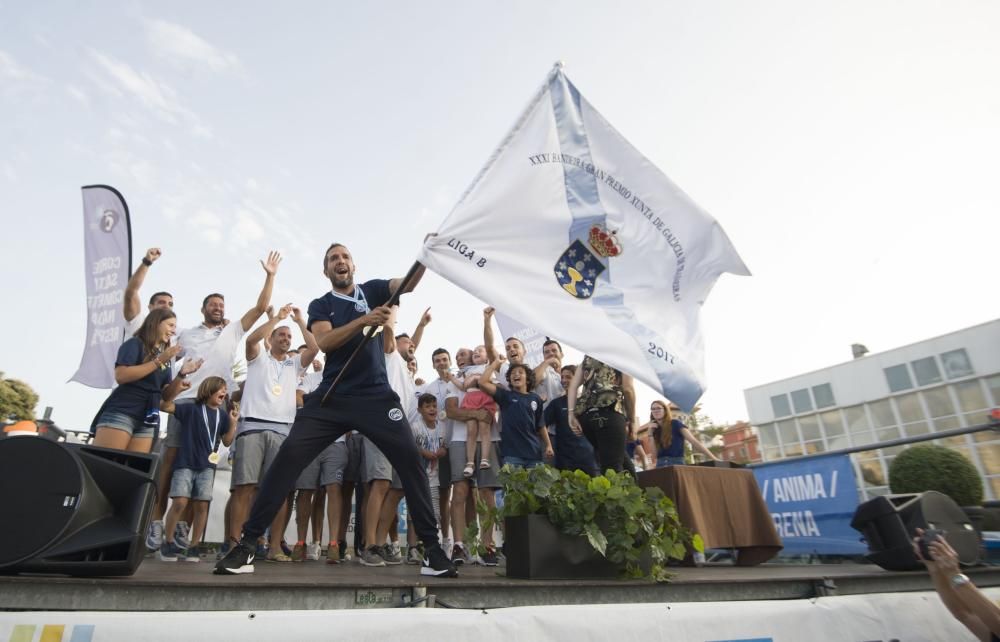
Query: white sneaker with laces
313, 550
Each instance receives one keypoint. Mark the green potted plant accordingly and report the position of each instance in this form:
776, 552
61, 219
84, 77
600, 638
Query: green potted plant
568, 524
928, 467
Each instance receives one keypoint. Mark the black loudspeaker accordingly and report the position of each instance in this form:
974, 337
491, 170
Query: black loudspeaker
889, 524
73, 509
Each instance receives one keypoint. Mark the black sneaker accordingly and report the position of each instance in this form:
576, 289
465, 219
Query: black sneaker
238, 560
437, 564
489, 558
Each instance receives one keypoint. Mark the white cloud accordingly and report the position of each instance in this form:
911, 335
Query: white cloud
78, 94
247, 230
10, 69
182, 47
154, 94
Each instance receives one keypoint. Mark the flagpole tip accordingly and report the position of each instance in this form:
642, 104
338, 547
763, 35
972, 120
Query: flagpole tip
559, 64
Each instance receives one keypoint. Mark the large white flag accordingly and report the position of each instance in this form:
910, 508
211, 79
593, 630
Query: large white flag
569, 229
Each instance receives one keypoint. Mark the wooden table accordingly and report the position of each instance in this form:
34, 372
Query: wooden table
723, 505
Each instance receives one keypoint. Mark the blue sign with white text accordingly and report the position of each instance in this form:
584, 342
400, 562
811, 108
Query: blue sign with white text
812, 503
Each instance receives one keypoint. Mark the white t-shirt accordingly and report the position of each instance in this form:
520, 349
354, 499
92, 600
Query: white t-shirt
310, 381
217, 346
550, 387
428, 438
265, 376
442, 390
131, 327
402, 384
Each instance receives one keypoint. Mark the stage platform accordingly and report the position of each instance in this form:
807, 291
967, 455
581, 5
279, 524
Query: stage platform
180, 586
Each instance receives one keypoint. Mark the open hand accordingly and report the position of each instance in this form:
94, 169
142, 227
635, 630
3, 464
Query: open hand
191, 365
271, 264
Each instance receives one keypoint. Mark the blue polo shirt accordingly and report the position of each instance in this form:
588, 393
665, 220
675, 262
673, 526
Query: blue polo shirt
197, 438
366, 376
572, 451
520, 421
136, 398
676, 448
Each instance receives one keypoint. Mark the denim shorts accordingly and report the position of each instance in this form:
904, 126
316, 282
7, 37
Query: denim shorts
519, 462
194, 484
669, 461
123, 422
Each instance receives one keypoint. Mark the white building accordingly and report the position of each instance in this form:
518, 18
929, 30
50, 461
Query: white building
938, 384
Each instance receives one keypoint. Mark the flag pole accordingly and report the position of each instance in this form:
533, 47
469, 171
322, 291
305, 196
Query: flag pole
393, 300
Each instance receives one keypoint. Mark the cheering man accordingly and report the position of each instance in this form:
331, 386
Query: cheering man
362, 401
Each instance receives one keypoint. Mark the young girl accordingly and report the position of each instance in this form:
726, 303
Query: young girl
131, 414
476, 399
204, 424
669, 435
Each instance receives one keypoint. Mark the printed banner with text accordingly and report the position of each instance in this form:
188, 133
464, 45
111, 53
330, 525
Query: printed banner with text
107, 244
573, 232
812, 503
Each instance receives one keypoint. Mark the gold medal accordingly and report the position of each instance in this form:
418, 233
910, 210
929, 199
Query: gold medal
213, 458
442, 415
276, 389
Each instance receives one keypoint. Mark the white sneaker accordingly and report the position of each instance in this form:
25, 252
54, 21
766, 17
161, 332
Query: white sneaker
154, 536
313, 551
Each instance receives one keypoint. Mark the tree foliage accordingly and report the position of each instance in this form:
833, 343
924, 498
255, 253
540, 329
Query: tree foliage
17, 399
929, 467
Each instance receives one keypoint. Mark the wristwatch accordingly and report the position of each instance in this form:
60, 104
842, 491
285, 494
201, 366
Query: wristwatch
960, 579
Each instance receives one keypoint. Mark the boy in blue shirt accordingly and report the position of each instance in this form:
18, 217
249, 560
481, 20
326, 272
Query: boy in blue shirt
204, 424
523, 436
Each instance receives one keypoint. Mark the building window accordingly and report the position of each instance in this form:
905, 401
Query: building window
898, 378
823, 394
780, 407
956, 363
926, 371
801, 400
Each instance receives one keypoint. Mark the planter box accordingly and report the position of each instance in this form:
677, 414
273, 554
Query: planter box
535, 549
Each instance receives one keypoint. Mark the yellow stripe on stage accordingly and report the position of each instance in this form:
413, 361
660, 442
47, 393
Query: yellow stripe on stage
52, 633
22, 633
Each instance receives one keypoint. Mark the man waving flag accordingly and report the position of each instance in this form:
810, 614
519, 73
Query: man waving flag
572, 231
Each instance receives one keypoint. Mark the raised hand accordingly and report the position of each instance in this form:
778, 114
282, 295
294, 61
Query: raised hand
234, 414
172, 351
426, 318
284, 311
271, 264
488, 311
297, 315
270, 312
191, 365
152, 254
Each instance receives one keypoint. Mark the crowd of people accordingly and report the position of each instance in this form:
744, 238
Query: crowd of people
305, 431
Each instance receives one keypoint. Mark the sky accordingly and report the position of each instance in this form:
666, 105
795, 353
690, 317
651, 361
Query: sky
849, 149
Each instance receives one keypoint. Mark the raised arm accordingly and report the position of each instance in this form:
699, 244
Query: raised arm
312, 348
264, 298
486, 379
264, 331
132, 304
543, 369
418, 334
395, 283
234, 416
330, 338
491, 352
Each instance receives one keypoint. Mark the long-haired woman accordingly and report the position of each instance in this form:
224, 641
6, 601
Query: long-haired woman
669, 436
130, 416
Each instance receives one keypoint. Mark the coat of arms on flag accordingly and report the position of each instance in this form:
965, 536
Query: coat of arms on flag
579, 266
